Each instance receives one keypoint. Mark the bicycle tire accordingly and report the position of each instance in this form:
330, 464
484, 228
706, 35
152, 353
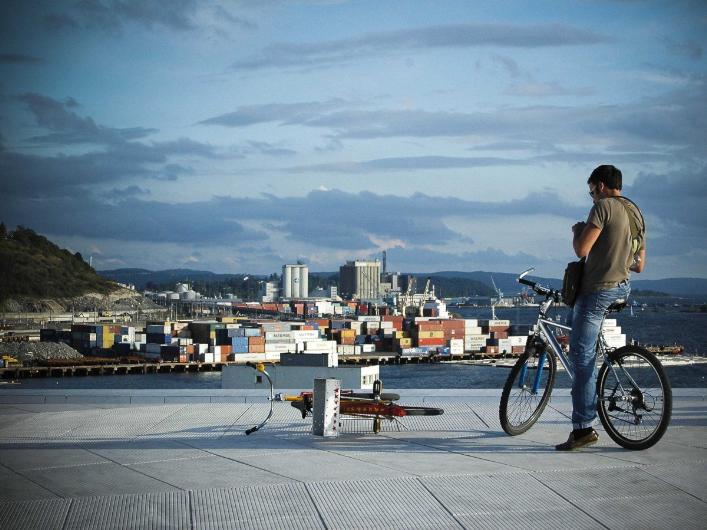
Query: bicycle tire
422, 411
520, 408
635, 419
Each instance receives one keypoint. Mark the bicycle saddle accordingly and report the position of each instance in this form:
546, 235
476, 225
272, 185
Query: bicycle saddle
617, 306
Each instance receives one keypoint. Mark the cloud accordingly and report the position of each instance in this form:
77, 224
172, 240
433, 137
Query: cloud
113, 16
537, 89
689, 48
69, 128
119, 158
411, 163
284, 113
508, 64
19, 58
239, 232
456, 36
491, 259
131, 220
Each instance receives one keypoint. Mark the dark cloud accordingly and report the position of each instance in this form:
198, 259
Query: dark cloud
43, 176
264, 148
328, 219
69, 128
113, 16
433, 37
413, 227
642, 123
132, 220
690, 49
31, 175
676, 198
412, 260
19, 58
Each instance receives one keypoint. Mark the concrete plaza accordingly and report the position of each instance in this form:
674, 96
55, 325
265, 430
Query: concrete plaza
180, 459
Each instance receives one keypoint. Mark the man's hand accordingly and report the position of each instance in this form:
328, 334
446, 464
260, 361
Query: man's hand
578, 227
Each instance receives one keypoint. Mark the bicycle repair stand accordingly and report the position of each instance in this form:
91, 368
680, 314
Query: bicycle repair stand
325, 410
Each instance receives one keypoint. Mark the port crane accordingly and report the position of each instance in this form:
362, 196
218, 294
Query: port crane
499, 299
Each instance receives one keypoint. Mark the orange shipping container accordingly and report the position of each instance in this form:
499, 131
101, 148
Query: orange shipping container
255, 341
430, 334
256, 348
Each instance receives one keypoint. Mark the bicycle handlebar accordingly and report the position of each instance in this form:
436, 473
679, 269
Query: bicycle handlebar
545, 291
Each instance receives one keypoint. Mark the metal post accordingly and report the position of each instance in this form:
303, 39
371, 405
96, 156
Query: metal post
325, 412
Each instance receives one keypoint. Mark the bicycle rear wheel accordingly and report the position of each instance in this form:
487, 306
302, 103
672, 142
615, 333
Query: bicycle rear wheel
527, 391
635, 400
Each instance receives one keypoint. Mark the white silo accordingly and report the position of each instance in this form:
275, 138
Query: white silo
304, 281
287, 281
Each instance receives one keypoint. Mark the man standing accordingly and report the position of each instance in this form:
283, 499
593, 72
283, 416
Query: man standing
606, 241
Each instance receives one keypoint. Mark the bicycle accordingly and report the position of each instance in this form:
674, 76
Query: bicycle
375, 405
634, 396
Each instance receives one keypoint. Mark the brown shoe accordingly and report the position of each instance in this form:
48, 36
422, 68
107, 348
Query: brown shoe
574, 443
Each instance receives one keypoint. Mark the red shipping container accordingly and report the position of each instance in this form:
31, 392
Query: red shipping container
498, 328
430, 342
499, 334
429, 326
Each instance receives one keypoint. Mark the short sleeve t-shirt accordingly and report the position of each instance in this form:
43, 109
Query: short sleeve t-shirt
609, 260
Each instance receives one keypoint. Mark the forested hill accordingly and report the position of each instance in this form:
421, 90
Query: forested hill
32, 266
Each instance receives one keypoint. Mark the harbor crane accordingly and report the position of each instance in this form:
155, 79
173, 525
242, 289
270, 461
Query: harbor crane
499, 299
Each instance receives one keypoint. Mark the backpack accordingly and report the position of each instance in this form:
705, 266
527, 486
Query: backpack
636, 223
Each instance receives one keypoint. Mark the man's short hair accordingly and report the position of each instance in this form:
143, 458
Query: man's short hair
609, 175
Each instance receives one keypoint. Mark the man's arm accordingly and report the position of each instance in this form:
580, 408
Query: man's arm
639, 263
585, 235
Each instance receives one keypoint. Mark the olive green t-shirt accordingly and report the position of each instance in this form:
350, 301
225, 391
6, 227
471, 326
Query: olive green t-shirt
609, 260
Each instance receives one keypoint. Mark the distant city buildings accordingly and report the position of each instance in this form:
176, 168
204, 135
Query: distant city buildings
295, 281
360, 280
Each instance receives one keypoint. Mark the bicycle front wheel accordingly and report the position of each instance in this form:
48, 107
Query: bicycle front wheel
635, 400
527, 392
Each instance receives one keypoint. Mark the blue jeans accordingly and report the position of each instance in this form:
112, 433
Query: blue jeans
586, 318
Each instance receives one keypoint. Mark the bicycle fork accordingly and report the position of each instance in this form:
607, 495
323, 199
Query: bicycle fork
532, 348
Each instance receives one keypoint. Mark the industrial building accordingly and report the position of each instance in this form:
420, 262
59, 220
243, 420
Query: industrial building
295, 281
269, 292
360, 279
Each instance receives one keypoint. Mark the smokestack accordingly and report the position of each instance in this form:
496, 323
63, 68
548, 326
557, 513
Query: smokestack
385, 258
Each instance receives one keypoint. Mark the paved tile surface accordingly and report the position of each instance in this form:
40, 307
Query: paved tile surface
153, 461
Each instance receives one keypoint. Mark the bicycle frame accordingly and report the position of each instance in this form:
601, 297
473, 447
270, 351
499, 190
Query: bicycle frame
544, 331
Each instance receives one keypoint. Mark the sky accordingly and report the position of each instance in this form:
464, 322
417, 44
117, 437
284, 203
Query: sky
237, 136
